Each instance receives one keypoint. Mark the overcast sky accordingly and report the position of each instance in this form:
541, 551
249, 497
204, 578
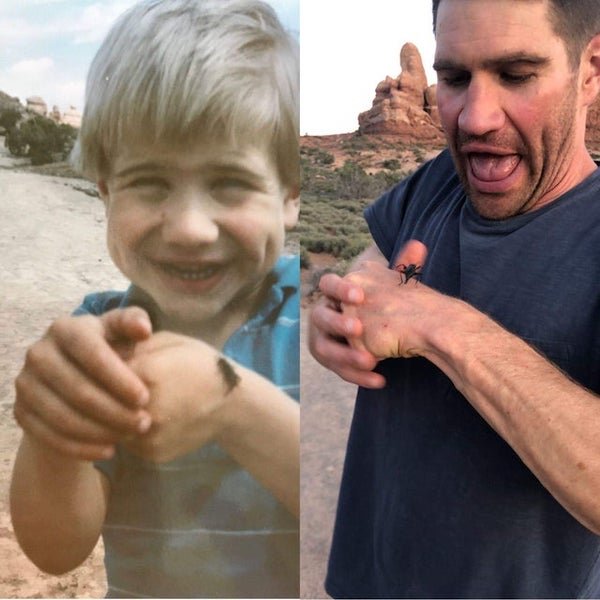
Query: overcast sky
347, 47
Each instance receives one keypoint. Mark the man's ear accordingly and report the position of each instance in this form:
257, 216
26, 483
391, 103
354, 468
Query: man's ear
291, 209
590, 82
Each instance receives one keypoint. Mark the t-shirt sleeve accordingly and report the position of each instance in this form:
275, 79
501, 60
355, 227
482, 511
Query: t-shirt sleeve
389, 214
384, 217
99, 302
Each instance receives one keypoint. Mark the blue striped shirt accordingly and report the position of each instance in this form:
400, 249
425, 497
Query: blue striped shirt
201, 526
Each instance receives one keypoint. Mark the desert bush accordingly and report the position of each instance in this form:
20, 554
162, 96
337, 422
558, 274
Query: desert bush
391, 164
334, 227
15, 142
41, 139
9, 117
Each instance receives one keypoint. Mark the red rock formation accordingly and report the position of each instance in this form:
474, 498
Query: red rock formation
405, 105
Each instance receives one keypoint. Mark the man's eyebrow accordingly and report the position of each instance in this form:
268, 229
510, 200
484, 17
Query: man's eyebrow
517, 58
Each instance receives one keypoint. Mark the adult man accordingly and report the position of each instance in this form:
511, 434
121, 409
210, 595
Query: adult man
437, 501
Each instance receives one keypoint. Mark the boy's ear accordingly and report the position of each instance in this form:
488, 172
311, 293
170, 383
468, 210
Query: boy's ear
291, 210
591, 71
102, 189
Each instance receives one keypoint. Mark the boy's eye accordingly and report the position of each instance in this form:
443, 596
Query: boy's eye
233, 190
149, 189
224, 183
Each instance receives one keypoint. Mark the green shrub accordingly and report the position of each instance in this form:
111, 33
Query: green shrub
9, 117
41, 139
391, 164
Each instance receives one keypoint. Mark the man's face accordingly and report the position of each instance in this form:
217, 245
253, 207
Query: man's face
509, 104
197, 228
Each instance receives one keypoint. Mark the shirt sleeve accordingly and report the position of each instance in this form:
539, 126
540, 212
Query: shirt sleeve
388, 215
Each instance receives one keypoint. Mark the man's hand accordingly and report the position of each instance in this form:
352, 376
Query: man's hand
188, 390
338, 338
394, 307
75, 393
329, 330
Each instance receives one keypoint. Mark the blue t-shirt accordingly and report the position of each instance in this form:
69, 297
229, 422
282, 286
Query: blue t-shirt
201, 526
433, 503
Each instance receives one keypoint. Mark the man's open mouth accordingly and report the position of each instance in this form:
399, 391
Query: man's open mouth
493, 167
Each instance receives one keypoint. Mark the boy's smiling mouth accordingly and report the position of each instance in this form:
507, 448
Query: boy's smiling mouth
190, 277
190, 272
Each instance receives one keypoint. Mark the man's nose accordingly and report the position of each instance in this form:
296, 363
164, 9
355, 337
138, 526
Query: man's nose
190, 220
482, 111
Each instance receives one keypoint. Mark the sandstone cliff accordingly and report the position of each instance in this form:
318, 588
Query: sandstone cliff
405, 105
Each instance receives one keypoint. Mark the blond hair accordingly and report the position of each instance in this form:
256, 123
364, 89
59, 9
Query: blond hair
180, 70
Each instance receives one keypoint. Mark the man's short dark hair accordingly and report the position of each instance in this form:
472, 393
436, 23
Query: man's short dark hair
576, 22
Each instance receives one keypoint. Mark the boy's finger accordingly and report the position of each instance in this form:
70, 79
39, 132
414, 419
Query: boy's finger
37, 428
76, 406
131, 323
100, 362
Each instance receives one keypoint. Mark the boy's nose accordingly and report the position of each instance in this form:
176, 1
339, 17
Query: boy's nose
481, 112
189, 222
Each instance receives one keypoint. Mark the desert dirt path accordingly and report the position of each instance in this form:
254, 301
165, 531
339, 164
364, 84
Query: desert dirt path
52, 252
326, 410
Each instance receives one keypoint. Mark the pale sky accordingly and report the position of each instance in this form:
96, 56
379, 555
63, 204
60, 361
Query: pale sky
46, 46
347, 47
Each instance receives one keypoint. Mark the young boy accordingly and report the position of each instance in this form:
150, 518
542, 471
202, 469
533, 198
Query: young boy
170, 429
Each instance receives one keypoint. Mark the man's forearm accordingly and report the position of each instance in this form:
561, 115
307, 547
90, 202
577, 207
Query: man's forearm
550, 421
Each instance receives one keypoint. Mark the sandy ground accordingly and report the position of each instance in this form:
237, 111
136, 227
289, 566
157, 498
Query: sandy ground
52, 252
327, 404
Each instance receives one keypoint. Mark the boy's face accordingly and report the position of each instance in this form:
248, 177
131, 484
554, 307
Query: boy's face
198, 228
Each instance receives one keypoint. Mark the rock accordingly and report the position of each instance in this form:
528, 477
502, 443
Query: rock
72, 117
412, 80
55, 114
405, 105
431, 104
37, 105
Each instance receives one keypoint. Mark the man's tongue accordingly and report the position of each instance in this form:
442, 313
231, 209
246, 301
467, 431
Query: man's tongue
492, 167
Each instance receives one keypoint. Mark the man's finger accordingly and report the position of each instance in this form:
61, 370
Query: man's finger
413, 252
340, 290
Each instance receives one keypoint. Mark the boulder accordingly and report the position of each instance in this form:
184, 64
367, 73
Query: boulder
37, 105
404, 105
72, 117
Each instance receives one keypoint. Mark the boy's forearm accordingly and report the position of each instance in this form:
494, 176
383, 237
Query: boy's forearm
261, 431
57, 505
